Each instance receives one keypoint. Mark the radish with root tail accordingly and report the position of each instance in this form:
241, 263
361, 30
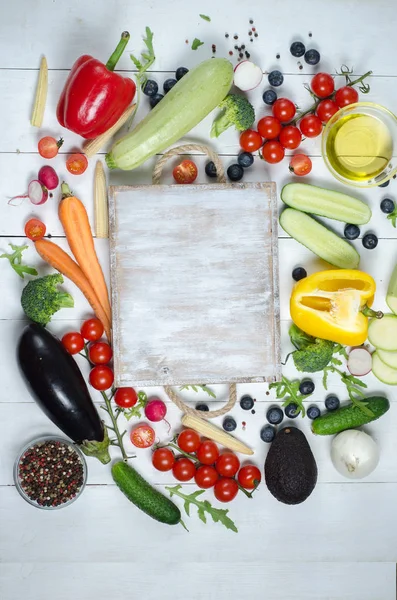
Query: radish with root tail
37, 194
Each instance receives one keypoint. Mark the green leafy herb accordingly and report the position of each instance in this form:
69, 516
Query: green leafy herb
136, 411
147, 58
197, 43
353, 387
219, 515
15, 260
196, 388
205, 17
393, 216
290, 391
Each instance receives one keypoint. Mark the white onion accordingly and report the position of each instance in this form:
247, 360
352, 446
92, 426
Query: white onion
354, 454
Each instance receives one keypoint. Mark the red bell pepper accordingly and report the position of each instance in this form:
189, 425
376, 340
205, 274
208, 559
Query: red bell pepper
94, 97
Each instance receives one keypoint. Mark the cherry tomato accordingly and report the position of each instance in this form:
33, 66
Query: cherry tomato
126, 397
185, 172
226, 489
273, 152
207, 452
300, 165
250, 140
227, 464
48, 147
290, 137
142, 436
326, 109
163, 459
248, 475
183, 469
346, 95
92, 330
73, 342
101, 377
76, 164
284, 110
35, 229
189, 440
322, 85
100, 353
310, 126
269, 128
206, 477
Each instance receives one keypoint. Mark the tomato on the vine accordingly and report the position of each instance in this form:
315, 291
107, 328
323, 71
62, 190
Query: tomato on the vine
310, 126
248, 476
101, 377
126, 397
183, 469
250, 140
189, 440
290, 137
100, 353
92, 330
284, 110
35, 229
273, 152
48, 147
322, 85
269, 128
227, 464
326, 109
185, 172
300, 165
143, 436
163, 459
73, 342
226, 489
206, 477
207, 452
346, 95
77, 164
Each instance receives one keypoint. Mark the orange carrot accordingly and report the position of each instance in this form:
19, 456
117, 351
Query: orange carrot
76, 225
57, 258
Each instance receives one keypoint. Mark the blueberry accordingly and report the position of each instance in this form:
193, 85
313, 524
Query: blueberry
154, 100
306, 387
351, 232
268, 433
245, 159
297, 49
384, 184
168, 85
246, 402
332, 402
229, 424
312, 57
275, 415
313, 412
370, 241
299, 273
387, 205
150, 88
292, 410
275, 78
235, 172
202, 406
180, 72
269, 97
210, 169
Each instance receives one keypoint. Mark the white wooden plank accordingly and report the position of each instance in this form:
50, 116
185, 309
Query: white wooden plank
231, 581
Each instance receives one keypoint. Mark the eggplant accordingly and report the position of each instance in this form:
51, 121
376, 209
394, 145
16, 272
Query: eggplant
55, 381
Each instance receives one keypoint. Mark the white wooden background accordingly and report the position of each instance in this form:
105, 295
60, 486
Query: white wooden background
342, 542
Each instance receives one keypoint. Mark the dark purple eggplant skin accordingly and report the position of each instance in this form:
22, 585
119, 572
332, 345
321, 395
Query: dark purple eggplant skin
57, 385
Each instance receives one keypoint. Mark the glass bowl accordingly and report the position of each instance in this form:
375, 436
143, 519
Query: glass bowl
358, 144
48, 438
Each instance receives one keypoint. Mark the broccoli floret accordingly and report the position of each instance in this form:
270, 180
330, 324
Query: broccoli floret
41, 299
312, 354
237, 111
299, 338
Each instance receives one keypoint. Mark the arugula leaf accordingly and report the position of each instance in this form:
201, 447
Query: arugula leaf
147, 58
205, 17
197, 43
393, 216
136, 411
15, 260
353, 387
204, 388
290, 391
219, 515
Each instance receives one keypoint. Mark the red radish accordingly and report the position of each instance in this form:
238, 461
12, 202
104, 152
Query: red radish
247, 75
359, 361
48, 177
155, 410
37, 193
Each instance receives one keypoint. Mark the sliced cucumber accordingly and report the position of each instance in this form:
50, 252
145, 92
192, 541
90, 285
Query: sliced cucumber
382, 333
320, 240
326, 203
391, 296
389, 358
382, 371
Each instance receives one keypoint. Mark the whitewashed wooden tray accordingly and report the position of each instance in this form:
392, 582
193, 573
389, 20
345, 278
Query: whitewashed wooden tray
194, 279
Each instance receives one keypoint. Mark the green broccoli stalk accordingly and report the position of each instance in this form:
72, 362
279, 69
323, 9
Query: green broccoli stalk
41, 299
237, 111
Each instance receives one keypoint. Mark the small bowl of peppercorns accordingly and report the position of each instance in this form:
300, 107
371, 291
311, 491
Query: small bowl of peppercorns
50, 472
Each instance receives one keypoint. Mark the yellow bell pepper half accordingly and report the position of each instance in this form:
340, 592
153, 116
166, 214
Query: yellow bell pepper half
334, 305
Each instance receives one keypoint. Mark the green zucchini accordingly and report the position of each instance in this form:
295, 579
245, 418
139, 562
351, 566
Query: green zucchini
144, 496
350, 416
382, 333
185, 105
391, 296
326, 203
320, 240
383, 371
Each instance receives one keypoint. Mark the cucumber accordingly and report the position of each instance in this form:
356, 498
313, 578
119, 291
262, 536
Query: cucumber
382, 371
326, 203
144, 496
350, 416
382, 333
389, 358
320, 240
391, 296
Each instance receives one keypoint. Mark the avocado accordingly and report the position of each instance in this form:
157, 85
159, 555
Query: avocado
290, 468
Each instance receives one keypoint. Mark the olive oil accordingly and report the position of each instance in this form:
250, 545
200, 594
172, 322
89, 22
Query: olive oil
359, 147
